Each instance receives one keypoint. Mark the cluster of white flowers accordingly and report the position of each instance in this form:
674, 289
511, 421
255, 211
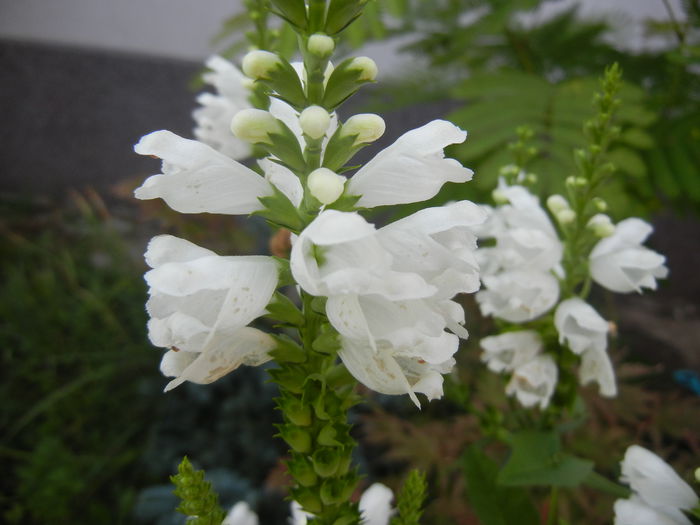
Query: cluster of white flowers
659, 495
375, 509
521, 272
389, 290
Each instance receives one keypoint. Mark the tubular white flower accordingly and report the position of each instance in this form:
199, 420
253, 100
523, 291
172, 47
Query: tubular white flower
508, 351
656, 483
601, 225
214, 117
254, 125
367, 67
198, 179
620, 263
596, 367
325, 185
580, 326
314, 121
200, 305
259, 64
412, 169
634, 511
518, 296
375, 507
240, 514
533, 383
367, 126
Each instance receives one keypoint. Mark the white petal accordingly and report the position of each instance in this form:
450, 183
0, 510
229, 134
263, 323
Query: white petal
173, 363
167, 248
634, 511
240, 514
533, 383
518, 296
197, 179
284, 180
580, 326
505, 352
412, 169
596, 367
375, 505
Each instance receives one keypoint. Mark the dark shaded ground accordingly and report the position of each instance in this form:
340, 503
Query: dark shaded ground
71, 117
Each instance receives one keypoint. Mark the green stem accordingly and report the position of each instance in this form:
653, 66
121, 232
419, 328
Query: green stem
553, 515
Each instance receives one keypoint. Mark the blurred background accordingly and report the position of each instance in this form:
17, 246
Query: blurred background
87, 435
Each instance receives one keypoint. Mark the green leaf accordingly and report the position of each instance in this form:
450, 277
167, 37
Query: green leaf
279, 210
287, 350
282, 308
603, 484
495, 504
536, 459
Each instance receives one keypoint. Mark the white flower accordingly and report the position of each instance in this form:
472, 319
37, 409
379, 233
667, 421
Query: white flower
657, 489
412, 169
620, 263
200, 305
375, 507
533, 383
508, 351
519, 295
580, 326
198, 179
214, 117
240, 514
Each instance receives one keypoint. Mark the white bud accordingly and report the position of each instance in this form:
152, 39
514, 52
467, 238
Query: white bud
367, 126
314, 121
509, 170
566, 216
258, 64
556, 203
254, 125
247, 83
366, 66
697, 474
499, 197
601, 225
600, 204
320, 45
325, 185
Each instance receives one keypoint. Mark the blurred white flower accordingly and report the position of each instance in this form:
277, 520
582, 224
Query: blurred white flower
214, 116
518, 295
620, 263
375, 507
508, 351
200, 305
657, 491
240, 514
533, 383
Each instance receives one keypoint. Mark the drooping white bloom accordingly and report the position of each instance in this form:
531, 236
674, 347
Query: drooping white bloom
214, 116
658, 491
389, 291
198, 179
519, 295
508, 351
412, 169
200, 305
240, 514
620, 263
533, 383
375, 507
586, 334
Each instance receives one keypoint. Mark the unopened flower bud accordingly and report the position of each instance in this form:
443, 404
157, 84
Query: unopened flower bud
509, 170
366, 66
320, 45
367, 126
258, 64
556, 203
247, 83
697, 474
499, 197
600, 204
601, 225
314, 121
254, 125
325, 185
566, 216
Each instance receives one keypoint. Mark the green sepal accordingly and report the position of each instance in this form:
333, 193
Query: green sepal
285, 146
295, 410
283, 309
298, 439
285, 277
291, 379
338, 376
342, 84
327, 343
287, 350
327, 436
337, 490
293, 11
302, 471
342, 13
286, 85
279, 210
325, 461
308, 499
345, 203
339, 150
318, 304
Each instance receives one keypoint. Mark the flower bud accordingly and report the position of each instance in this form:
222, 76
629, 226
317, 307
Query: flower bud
258, 64
509, 170
298, 439
697, 474
499, 197
247, 83
320, 45
367, 126
601, 225
326, 461
366, 66
556, 203
314, 121
565, 216
600, 204
530, 178
254, 125
326, 185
